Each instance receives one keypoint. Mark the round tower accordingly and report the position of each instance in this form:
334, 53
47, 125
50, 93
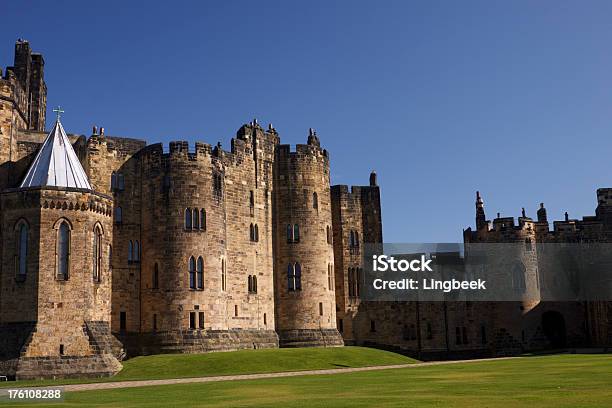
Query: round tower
305, 297
206, 275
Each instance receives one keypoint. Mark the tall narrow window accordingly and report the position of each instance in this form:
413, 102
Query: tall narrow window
320, 309
192, 272
315, 201
136, 256
97, 253
200, 273
223, 275
254, 284
252, 202
203, 219
192, 320
290, 277
296, 233
289, 233
352, 239
298, 276
252, 233
120, 181
63, 251
188, 219
113, 181
118, 215
156, 276
329, 235
22, 251
217, 185
130, 251
330, 282
196, 219
201, 320
250, 284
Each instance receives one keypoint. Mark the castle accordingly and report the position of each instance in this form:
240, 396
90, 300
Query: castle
111, 248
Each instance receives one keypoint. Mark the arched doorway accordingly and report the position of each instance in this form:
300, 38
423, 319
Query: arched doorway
553, 326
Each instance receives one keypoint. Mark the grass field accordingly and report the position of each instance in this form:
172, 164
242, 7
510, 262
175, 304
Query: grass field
241, 362
545, 381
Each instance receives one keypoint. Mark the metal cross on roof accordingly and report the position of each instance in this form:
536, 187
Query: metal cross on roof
59, 112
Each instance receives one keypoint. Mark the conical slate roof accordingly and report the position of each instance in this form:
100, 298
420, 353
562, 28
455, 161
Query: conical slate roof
56, 163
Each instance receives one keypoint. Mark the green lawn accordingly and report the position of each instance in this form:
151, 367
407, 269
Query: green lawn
241, 362
544, 381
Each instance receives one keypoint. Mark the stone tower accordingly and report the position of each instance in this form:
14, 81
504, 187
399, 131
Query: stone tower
304, 257
56, 233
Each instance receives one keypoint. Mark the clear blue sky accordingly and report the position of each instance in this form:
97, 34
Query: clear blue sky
441, 98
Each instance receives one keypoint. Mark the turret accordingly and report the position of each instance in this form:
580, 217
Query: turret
481, 219
304, 258
542, 214
373, 179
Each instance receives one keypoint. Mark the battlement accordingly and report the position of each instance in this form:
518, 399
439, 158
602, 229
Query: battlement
301, 150
23, 84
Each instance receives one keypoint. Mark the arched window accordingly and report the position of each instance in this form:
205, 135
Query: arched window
188, 219
298, 276
136, 256
290, 277
130, 251
289, 233
113, 181
315, 201
155, 276
63, 251
196, 219
203, 219
21, 254
97, 253
192, 273
252, 284
200, 272
296, 233
118, 215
